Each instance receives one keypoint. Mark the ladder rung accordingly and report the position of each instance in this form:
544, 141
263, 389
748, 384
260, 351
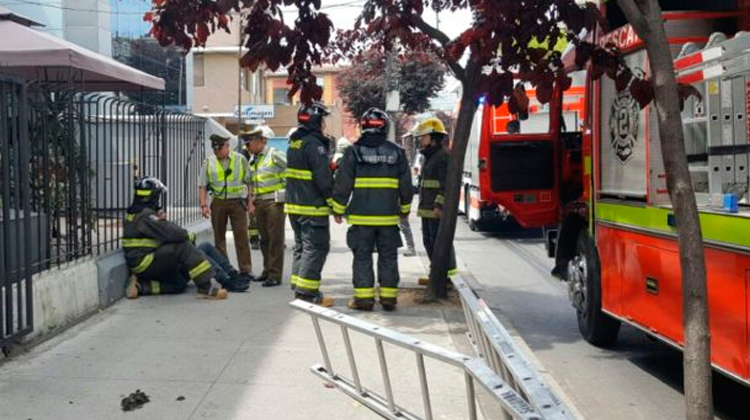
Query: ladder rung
694, 120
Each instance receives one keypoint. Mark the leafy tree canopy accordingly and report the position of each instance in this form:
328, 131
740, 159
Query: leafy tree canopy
418, 77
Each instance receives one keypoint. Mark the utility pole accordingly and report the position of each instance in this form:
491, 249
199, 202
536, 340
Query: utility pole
392, 99
240, 121
179, 82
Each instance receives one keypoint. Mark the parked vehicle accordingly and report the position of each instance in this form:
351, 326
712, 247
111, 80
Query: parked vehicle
602, 185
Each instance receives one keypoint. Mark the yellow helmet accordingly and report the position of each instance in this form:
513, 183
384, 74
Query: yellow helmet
428, 126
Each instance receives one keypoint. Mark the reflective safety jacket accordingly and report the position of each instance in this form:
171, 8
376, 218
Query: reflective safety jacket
375, 174
230, 183
267, 172
432, 184
309, 182
143, 232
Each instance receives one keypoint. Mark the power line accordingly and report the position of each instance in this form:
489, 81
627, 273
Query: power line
352, 3
54, 6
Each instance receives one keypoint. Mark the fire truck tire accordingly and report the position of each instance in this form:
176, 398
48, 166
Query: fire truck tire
596, 327
467, 200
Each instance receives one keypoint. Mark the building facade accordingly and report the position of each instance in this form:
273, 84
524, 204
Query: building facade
339, 123
218, 85
82, 22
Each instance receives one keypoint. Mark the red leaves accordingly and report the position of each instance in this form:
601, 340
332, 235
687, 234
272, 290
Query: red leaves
201, 33
686, 91
583, 53
519, 102
564, 82
496, 87
148, 17
623, 78
544, 93
642, 91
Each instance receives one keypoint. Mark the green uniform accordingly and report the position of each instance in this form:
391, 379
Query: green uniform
267, 172
431, 197
373, 189
309, 184
161, 254
227, 181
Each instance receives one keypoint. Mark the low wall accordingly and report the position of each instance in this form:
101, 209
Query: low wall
62, 297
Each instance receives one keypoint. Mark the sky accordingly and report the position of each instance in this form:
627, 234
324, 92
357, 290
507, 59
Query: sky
127, 16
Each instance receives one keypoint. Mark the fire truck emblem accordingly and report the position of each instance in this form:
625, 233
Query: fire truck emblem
623, 126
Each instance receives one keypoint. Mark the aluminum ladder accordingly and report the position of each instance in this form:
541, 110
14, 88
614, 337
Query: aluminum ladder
476, 371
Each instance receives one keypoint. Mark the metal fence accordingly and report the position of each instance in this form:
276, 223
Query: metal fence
16, 316
85, 152
493, 343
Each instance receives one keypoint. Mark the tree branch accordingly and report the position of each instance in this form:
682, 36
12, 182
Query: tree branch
635, 16
443, 39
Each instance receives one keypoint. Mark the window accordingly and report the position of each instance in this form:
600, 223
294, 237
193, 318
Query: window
280, 96
198, 70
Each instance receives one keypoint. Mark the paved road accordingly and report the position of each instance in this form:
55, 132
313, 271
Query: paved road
637, 379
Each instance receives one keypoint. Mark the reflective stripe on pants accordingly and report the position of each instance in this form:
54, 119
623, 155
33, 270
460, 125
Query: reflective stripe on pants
362, 241
312, 241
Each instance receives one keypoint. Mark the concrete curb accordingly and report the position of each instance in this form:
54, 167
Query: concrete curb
474, 284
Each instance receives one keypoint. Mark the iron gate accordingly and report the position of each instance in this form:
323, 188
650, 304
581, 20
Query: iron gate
16, 296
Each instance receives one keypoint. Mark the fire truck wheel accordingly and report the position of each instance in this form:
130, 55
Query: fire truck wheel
585, 292
467, 200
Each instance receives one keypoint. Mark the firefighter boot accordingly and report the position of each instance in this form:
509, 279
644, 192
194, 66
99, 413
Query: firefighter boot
424, 281
360, 305
389, 304
321, 300
410, 252
131, 290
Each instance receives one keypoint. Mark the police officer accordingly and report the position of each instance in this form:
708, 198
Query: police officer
431, 134
159, 253
375, 174
308, 197
224, 175
252, 225
267, 167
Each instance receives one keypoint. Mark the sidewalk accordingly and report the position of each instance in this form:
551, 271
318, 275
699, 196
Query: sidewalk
244, 358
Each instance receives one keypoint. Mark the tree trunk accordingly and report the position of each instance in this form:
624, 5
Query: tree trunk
447, 230
645, 16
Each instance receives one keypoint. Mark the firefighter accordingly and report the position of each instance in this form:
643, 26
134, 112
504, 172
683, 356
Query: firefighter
341, 145
431, 134
267, 167
159, 253
224, 175
375, 174
309, 184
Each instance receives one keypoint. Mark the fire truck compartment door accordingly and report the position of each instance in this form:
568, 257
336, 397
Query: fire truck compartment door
623, 137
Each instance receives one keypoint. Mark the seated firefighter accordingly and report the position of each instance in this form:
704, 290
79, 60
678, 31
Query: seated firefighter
160, 254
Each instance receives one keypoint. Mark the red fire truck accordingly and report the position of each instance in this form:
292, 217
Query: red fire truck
482, 194
602, 184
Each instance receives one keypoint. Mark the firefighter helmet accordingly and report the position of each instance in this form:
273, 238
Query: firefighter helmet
311, 116
375, 121
148, 191
429, 126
